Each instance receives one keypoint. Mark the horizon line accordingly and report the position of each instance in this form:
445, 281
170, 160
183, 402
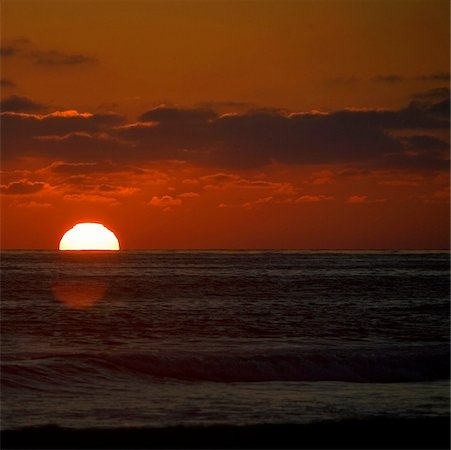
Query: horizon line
219, 249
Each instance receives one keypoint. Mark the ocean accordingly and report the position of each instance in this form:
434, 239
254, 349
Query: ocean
201, 338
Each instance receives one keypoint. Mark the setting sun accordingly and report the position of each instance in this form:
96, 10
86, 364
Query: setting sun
89, 236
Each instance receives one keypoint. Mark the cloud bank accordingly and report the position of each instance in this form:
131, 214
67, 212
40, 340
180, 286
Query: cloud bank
411, 137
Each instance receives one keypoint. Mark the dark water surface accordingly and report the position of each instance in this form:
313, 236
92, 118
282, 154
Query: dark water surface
129, 339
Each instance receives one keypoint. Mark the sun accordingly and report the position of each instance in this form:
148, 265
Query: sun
89, 236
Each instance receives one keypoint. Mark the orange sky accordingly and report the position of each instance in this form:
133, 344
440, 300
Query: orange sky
302, 124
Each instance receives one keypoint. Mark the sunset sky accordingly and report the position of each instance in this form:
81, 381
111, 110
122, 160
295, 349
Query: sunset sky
209, 124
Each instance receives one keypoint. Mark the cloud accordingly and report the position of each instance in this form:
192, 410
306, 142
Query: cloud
257, 138
6, 51
32, 204
49, 135
425, 142
388, 78
322, 177
227, 106
247, 205
189, 195
22, 187
357, 199
442, 194
438, 76
17, 103
230, 180
253, 139
165, 201
395, 78
344, 80
220, 178
313, 198
6, 83
440, 93
391, 78
25, 48
64, 168
164, 114
91, 198
360, 199
59, 58
403, 182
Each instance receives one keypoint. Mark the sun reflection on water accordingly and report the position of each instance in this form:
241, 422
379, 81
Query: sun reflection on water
79, 294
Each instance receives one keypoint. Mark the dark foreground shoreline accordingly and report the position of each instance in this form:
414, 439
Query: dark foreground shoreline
382, 433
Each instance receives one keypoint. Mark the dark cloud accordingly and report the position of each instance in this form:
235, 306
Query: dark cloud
439, 76
57, 123
394, 78
25, 48
441, 108
425, 142
22, 187
440, 93
17, 103
253, 139
227, 106
90, 168
344, 80
388, 78
260, 136
6, 83
8, 51
58, 58
13, 47
164, 114
79, 133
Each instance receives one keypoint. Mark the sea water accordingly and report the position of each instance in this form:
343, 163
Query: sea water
118, 339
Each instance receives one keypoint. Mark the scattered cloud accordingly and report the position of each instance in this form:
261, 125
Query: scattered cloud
25, 48
59, 58
65, 168
439, 93
22, 187
49, 135
321, 177
6, 83
360, 199
223, 180
189, 195
425, 142
190, 181
91, 198
313, 198
401, 180
17, 103
442, 194
165, 201
437, 76
344, 80
388, 78
357, 199
260, 201
165, 114
391, 78
219, 179
6, 51
32, 204
247, 205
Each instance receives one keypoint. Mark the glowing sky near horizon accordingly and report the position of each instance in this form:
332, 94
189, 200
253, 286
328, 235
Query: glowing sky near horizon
272, 124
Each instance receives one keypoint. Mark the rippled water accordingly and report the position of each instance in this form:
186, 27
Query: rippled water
165, 338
